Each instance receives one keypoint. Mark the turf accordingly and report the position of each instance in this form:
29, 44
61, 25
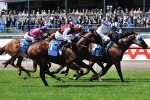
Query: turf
135, 87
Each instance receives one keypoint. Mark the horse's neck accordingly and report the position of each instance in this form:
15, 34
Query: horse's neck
52, 36
124, 44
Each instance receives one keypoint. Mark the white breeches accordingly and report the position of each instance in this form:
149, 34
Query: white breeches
28, 38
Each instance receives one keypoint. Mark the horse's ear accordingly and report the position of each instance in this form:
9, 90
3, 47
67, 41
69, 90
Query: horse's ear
92, 30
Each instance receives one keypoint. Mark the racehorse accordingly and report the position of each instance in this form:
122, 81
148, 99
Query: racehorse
12, 48
113, 36
115, 53
123, 45
38, 51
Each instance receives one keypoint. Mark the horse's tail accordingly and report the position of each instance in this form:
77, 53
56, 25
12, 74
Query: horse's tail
12, 58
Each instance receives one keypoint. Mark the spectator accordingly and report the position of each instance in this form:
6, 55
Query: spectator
8, 21
13, 20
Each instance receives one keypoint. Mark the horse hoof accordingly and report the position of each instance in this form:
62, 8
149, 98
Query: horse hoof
99, 79
72, 78
19, 74
25, 78
62, 81
122, 80
29, 75
93, 78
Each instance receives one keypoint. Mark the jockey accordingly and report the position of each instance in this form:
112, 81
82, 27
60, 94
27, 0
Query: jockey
35, 33
63, 33
103, 29
115, 26
120, 33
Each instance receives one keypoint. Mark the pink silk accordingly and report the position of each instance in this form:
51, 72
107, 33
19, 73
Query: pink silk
35, 32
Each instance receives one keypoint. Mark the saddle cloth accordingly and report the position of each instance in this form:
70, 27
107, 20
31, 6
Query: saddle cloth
53, 49
97, 50
23, 45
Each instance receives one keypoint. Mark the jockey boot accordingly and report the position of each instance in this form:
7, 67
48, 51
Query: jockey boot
104, 48
61, 45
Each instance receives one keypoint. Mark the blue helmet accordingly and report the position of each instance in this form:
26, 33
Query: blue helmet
115, 24
106, 23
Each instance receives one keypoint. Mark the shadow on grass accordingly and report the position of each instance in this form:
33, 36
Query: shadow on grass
85, 85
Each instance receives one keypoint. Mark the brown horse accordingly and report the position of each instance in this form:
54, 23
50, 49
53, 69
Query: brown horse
113, 36
11, 48
38, 52
115, 53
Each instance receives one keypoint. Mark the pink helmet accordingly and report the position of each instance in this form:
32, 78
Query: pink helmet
78, 26
43, 28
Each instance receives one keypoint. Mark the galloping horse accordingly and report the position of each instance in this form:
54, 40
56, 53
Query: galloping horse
12, 48
38, 52
123, 45
115, 53
113, 36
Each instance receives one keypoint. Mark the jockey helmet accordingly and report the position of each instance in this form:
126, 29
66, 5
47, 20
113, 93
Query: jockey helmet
43, 28
115, 24
77, 27
105, 23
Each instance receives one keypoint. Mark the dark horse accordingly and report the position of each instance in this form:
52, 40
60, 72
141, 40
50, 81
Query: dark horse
115, 53
38, 52
12, 48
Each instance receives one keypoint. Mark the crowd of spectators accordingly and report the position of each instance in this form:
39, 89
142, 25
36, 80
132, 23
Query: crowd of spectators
55, 19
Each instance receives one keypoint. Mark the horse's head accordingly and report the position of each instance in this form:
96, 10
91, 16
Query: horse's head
51, 34
138, 40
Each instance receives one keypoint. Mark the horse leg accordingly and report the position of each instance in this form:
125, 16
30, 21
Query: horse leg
90, 68
58, 70
65, 71
102, 66
105, 69
42, 75
79, 74
46, 70
54, 76
20, 59
118, 68
19, 70
87, 70
72, 66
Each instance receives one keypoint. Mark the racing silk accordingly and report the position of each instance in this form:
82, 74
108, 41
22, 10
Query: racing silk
116, 35
63, 29
104, 28
35, 32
